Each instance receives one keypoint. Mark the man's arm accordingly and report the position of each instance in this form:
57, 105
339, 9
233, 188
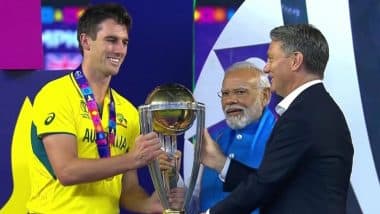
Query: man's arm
237, 172
134, 198
70, 169
282, 156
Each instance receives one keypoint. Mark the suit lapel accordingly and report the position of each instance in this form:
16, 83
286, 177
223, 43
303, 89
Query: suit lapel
309, 93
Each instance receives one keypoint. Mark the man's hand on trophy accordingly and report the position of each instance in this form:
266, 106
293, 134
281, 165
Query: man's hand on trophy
178, 158
147, 148
211, 155
177, 198
167, 162
154, 204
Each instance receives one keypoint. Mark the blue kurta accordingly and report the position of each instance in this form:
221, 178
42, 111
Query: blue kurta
246, 145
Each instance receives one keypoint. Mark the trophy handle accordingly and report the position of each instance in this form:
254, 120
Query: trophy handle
146, 126
200, 117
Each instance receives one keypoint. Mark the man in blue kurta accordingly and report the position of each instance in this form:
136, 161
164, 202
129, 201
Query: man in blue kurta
245, 95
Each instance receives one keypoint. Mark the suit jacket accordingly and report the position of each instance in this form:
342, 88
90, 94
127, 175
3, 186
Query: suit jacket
306, 167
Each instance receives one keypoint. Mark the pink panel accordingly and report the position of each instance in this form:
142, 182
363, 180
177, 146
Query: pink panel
20, 34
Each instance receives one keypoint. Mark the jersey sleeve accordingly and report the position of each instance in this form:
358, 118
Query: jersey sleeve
52, 112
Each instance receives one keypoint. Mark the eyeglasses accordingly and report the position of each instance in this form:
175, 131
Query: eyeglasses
237, 92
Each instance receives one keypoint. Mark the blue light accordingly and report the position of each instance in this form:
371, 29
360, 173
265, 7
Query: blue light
47, 15
230, 13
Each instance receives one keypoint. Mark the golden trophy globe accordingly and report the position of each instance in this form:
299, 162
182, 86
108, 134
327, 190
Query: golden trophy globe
169, 111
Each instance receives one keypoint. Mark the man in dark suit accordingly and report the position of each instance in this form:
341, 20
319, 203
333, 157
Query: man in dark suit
308, 159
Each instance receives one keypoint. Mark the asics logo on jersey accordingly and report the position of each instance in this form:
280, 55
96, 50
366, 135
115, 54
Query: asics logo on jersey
49, 118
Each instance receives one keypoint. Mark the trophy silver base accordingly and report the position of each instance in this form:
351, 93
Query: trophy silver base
170, 211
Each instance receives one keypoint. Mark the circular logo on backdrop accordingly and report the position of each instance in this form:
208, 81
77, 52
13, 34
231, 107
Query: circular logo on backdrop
49, 118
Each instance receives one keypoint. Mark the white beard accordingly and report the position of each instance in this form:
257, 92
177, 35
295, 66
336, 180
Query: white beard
247, 116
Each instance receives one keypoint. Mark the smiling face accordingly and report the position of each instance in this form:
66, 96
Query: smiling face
107, 51
279, 69
242, 98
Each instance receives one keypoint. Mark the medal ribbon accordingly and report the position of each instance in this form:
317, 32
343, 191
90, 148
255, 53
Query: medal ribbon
103, 141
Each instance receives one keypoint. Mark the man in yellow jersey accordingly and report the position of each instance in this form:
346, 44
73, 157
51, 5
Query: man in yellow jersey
85, 136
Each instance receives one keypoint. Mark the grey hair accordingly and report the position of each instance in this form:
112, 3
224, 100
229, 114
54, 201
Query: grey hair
264, 81
306, 39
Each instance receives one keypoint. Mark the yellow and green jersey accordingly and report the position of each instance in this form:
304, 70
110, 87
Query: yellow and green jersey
60, 108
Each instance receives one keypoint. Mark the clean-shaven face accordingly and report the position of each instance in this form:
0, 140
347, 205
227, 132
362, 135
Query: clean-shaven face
108, 50
278, 68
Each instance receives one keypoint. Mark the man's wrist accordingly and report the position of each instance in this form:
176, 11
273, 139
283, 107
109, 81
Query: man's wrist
223, 173
219, 167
